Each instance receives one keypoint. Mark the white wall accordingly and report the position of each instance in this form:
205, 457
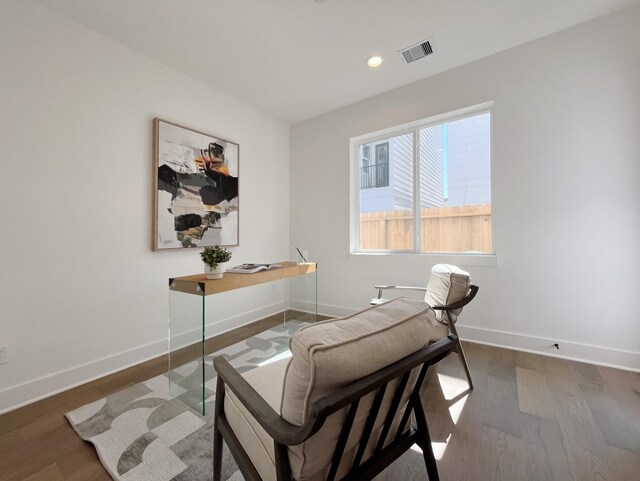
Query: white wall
566, 186
81, 292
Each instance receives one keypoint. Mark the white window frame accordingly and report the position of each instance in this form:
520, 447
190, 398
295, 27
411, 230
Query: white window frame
411, 128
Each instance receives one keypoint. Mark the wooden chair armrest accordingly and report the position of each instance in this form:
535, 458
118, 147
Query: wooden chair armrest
473, 290
279, 429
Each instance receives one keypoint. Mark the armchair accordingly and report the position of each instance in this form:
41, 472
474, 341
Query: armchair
448, 291
340, 407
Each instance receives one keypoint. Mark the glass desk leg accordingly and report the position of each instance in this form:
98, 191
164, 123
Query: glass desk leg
187, 331
186, 347
302, 297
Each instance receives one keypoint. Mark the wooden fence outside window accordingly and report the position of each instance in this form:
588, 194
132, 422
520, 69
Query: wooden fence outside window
457, 229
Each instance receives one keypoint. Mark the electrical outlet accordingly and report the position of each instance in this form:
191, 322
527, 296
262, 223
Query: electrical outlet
4, 354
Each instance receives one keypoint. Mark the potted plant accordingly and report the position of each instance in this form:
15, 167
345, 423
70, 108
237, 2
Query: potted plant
215, 259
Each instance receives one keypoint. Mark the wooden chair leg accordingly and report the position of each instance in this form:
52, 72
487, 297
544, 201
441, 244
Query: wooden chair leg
463, 361
460, 351
217, 454
425, 443
217, 435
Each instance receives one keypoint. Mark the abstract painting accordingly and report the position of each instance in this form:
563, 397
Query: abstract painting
196, 188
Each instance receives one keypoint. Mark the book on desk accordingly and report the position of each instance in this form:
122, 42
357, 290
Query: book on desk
253, 268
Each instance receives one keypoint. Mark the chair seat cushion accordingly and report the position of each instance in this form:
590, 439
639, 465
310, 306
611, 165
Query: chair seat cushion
268, 381
440, 329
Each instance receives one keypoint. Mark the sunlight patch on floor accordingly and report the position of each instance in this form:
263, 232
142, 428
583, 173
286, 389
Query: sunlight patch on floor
452, 386
455, 410
417, 449
282, 355
438, 448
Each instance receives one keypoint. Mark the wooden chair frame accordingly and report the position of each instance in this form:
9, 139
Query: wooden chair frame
286, 434
451, 319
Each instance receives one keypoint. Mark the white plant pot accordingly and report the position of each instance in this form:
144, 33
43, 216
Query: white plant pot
216, 273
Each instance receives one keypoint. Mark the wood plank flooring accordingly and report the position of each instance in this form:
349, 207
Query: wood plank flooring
38, 444
529, 418
532, 417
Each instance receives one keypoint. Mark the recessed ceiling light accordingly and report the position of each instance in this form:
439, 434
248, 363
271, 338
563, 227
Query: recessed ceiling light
374, 61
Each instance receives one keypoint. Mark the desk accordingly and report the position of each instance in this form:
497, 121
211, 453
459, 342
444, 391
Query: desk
188, 320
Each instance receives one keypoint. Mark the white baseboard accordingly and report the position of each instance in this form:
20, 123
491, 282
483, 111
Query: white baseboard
28, 392
19, 395
217, 328
310, 307
337, 311
602, 356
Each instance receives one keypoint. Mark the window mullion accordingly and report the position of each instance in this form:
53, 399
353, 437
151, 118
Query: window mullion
416, 192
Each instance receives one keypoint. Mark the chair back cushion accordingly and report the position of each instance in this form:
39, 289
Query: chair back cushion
447, 284
329, 355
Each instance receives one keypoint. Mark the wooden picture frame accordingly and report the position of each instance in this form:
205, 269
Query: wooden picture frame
195, 188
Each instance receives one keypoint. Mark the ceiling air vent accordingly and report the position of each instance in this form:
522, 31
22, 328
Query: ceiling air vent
418, 51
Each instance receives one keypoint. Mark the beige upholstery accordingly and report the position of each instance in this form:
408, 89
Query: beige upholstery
440, 329
448, 284
364, 343
327, 356
268, 381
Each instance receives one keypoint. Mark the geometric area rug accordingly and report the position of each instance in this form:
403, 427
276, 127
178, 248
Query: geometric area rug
142, 433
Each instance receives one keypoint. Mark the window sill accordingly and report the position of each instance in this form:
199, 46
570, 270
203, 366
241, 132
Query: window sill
460, 260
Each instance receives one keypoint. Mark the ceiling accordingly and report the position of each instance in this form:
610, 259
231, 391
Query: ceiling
296, 59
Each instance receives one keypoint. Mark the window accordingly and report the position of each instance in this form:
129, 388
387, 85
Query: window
376, 174
427, 188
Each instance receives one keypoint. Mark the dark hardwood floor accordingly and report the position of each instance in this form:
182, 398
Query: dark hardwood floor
532, 417
37, 442
529, 418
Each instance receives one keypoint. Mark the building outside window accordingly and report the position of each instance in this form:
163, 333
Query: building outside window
428, 187
374, 174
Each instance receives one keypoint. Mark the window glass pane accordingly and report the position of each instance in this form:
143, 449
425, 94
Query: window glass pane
455, 186
386, 195
366, 152
382, 153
